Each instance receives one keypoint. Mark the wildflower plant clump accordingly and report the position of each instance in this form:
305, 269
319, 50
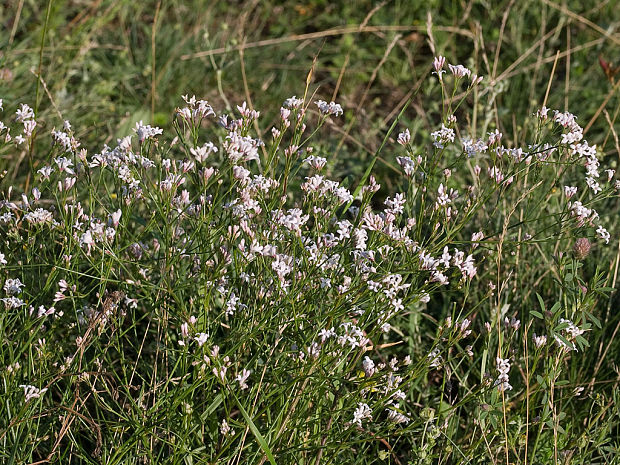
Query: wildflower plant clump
218, 299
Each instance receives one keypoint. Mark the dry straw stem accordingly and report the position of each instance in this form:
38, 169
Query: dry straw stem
555, 62
515, 69
583, 20
348, 55
612, 130
602, 106
501, 37
338, 31
64, 48
18, 14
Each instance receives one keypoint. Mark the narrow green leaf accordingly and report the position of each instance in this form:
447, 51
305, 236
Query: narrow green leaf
259, 437
211, 408
582, 341
593, 319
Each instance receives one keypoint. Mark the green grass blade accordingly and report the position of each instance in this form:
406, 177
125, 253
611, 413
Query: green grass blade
259, 437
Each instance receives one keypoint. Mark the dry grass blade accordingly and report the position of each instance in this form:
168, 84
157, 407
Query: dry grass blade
348, 55
501, 38
583, 20
555, 62
321, 34
609, 95
613, 131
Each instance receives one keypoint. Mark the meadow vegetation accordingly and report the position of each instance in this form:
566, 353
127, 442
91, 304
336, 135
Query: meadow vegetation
309, 233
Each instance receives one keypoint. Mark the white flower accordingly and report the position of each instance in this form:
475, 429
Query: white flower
241, 148
316, 162
369, 366
397, 417
13, 286
242, 378
502, 382
13, 302
463, 327
496, 174
24, 112
539, 341
32, 392
64, 164
201, 338
442, 136
63, 139
225, 429
542, 113
472, 148
330, 108
444, 197
145, 132
475, 79
66, 184
232, 303
593, 185
459, 70
201, 153
569, 191
434, 358
116, 217
247, 112
45, 172
293, 102
87, 238
408, 165
362, 412
603, 234
438, 63
571, 332
326, 334
29, 126
197, 109
404, 137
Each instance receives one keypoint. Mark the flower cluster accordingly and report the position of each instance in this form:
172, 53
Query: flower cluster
229, 270
503, 367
